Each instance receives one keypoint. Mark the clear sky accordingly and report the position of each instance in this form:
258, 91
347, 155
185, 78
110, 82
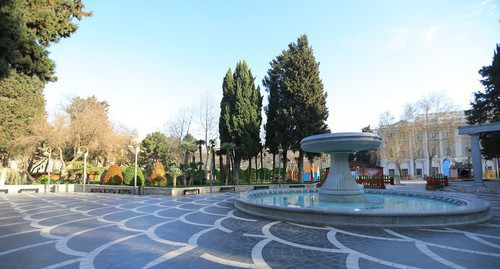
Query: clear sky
150, 59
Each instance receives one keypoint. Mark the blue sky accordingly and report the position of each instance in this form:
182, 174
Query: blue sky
150, 59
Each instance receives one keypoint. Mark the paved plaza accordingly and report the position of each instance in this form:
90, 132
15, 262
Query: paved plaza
87, 230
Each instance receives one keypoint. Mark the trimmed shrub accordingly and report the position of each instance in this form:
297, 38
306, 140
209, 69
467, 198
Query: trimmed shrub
113, 176
158, 177
128, 175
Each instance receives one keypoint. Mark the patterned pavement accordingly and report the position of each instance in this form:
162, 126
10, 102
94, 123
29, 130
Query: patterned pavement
87, 230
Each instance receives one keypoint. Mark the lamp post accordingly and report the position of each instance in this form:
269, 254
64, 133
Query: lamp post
85, 155
137, 149
48, 153
280, 151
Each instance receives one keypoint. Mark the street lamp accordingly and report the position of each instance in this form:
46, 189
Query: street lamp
85, 155
280, 151
48, 153
137, 149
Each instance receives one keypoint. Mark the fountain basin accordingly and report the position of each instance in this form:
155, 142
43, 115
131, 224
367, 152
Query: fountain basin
463, 210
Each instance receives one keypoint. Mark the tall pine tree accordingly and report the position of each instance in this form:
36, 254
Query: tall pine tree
241, 115
297, 101
486, 106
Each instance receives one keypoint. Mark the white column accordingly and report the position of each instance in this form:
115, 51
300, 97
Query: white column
477, 164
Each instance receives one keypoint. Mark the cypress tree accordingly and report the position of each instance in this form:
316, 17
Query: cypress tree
241, 115
296, 99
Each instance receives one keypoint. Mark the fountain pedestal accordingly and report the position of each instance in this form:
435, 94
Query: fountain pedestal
339, 185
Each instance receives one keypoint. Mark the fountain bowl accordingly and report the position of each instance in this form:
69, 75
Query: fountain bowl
340, 142
466, 210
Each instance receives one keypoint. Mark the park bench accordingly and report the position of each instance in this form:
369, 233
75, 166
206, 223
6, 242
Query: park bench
100, 190
28, 190
191, 191
4, 190
260, 187
126, 191
226, 189
297, 186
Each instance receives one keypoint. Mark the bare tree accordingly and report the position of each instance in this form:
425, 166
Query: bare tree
180, 124
395, 146
209, 122
434, 117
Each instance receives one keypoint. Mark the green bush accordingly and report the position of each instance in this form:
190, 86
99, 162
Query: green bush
128, 175
43, 179
103, 173
113, 176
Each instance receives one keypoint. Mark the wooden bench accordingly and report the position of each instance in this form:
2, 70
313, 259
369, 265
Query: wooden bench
4, 190
226, 189
126, 191
191, 191
28, 189
100, 190
297, 186
261, 187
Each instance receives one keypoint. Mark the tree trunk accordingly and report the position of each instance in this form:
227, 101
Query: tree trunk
236, 169
274, 166
261, 163
207, 156
257, 174
222, 174
191, 177
249, 171
228, 166
300, 163
201, 157
284, 160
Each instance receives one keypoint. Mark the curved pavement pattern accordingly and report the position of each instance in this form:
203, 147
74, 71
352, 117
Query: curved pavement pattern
84, 230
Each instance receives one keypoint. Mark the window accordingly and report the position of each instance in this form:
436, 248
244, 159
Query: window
392, 172
434, 171
419, 172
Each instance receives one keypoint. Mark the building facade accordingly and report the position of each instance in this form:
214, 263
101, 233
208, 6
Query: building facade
429, 145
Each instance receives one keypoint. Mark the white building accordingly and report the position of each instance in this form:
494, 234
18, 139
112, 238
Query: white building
437, 134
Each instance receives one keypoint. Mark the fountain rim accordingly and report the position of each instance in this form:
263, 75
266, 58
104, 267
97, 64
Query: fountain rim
363, 141
469, 202
478, 210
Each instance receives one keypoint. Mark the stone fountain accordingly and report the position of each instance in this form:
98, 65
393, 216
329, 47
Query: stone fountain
340, 201
340, 185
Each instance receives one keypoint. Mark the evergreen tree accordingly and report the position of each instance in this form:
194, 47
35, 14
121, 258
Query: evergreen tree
241, 116
369, 156
296, 99
276, 127
486, 106
21, 105
128, 172
28, 28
